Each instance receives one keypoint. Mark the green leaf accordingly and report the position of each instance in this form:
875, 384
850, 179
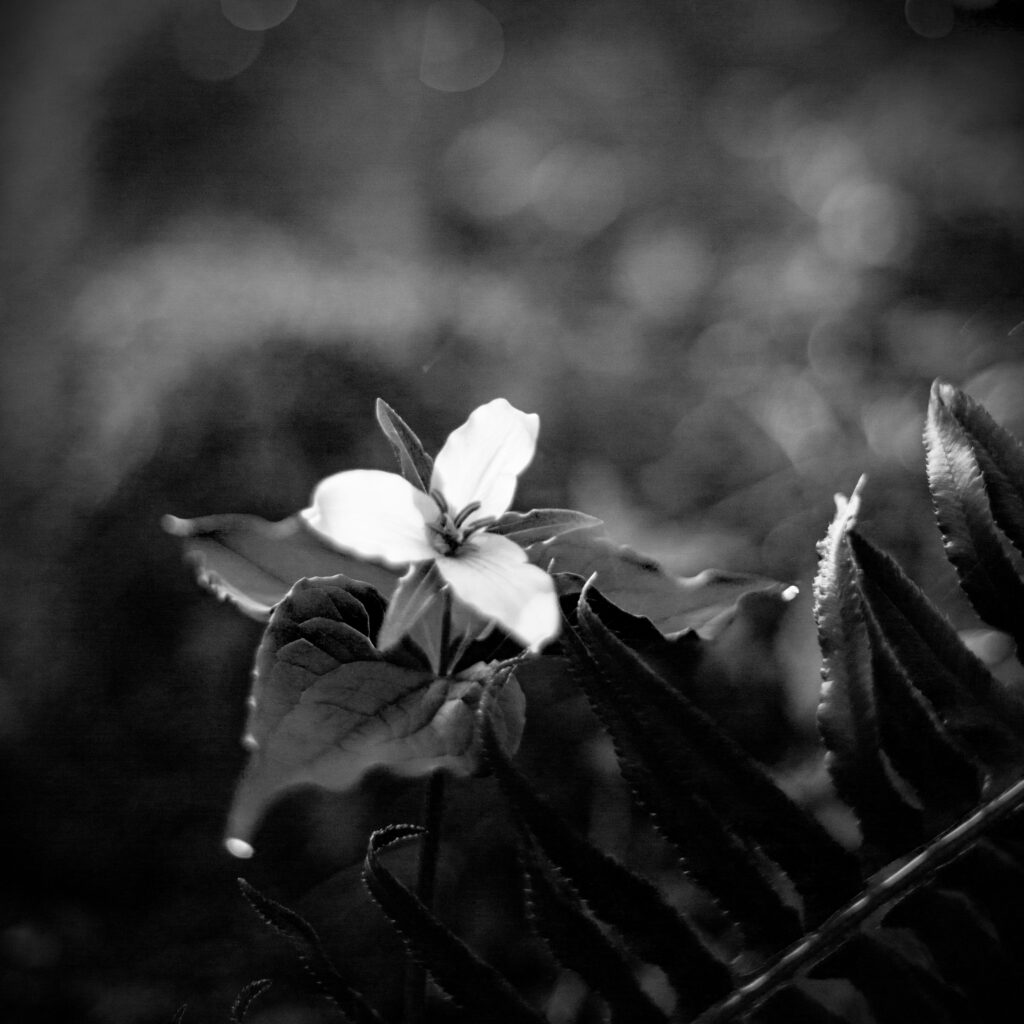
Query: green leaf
326, 706
981, 716
898, 988
253, 563
959, 494
472, 983
835, 949
734, 677
578, 943
704, 602
947, 783
244, 1000
714, 856
701, 757
1000, 456
417, 591
541, 524
416, 465
847, 716
626, 901
966, 949
993, 878
790, 1005
303, 937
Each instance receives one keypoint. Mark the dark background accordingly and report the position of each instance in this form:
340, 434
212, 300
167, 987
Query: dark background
722, 248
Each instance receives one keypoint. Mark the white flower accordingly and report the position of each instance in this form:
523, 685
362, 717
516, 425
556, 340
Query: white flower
382, 516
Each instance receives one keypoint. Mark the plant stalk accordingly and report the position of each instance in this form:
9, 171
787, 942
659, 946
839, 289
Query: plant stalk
426, 874
433, 809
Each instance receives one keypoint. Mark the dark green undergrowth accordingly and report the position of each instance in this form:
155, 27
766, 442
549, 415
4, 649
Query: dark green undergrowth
920, 921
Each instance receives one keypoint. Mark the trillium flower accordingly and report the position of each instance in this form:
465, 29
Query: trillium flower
382, 516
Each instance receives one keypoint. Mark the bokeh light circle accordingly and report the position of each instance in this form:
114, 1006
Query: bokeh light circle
463, 46
209, 48
256, 15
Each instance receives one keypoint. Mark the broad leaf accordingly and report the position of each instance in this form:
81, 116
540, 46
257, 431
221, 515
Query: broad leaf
700, 757
986, 573
417, 591
326, 706
639, 585
629, 903
472, 983
541, 524
847, 718
253, 563
303, 937
416, 465
577, 942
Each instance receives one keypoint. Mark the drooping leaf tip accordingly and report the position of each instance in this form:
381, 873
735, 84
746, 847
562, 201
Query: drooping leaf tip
238, 848
176, 527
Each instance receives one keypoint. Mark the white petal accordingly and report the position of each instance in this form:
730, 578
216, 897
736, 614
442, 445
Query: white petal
481, 459
375, 514
492, 575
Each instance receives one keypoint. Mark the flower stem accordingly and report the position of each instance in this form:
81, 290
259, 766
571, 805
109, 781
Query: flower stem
433, 808
446, 632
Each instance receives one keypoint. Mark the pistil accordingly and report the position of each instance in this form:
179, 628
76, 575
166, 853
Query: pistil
452, 531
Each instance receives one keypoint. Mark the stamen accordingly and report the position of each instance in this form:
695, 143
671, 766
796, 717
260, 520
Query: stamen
477, 525
466, 513
439, 500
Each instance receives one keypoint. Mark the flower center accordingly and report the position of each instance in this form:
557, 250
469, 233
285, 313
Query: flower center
451, 530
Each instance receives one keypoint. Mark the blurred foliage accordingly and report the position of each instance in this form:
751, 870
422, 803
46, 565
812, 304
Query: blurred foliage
721, 248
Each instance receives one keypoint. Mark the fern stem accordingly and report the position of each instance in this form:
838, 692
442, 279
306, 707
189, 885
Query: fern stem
888, 889
416, 978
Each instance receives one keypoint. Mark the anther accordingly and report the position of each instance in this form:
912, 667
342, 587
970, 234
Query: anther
466, 513
477, 525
